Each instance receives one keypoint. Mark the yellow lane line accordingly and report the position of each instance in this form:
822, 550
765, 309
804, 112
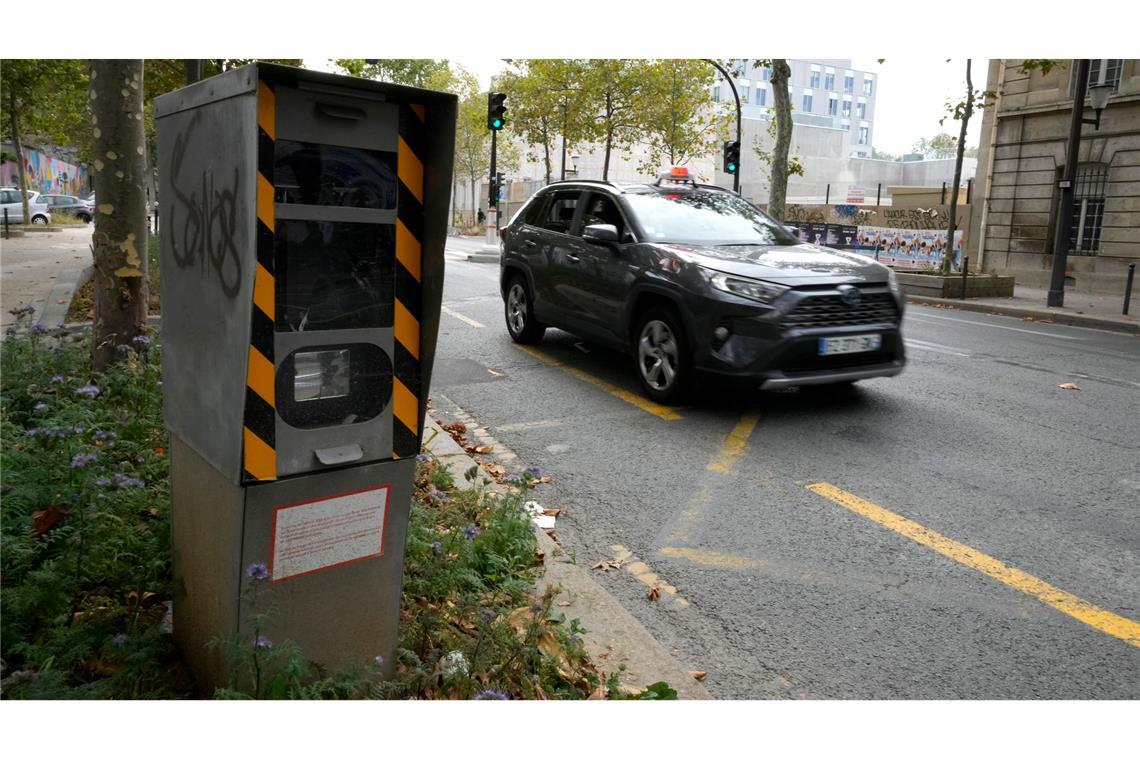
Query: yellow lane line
640, 402
461, 317
734, 444
643, 573
1103, 620
712, 559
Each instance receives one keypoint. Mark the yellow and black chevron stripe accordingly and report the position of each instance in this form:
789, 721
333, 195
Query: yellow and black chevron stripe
409, 253
259, 432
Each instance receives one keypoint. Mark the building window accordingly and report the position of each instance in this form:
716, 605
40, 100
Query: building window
847, 109
815, 79
864, 133
1088, 209
1111, 68
847, 125
832, 106
716, 94
807, 102
861, 110
765, 74
829, 81
849, 83
761, 96
743, 92
868, 86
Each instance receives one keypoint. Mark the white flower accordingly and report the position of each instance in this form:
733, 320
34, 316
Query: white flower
453, 664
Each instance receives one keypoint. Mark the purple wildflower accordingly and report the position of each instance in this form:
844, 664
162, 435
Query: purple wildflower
258, 571
262, 643
435, 546
37, 329
103, 435
119, 639
534, 471
141, 340
91, 391
40, 407
123, 481
470, 532
57, 379
103, 482
82, 460
439, 496
487, 615
422, 457
11, 330
378, 660
22, 310
491, 694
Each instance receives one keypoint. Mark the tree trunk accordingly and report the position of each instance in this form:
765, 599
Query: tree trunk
609, 138
474, 200
948, 255
777, 196
120, 237
21, 181
546, 148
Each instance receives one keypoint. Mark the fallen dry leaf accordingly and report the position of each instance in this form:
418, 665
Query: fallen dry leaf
698, 674
552, 512
496, 374
598, 693
554, 537
1069, 387
1027, 319
564, 604
44, 520
654, 594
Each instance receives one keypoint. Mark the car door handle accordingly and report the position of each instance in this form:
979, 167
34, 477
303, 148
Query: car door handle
572, 257
529, 244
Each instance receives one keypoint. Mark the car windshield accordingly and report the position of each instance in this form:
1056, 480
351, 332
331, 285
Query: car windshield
705, 217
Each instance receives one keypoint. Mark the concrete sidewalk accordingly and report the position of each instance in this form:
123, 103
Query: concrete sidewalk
613, 636
1080, 309
44, 270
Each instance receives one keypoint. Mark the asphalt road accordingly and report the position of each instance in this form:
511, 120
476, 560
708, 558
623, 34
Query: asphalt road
965, 530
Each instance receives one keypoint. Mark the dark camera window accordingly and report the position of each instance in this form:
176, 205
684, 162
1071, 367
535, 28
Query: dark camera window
332, 175
333, 275
322, 386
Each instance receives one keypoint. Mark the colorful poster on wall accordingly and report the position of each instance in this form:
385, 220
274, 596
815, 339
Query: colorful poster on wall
907, 249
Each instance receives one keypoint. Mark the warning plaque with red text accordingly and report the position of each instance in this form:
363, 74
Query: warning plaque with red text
319, 535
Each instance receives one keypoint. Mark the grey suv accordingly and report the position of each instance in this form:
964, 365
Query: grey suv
693, 279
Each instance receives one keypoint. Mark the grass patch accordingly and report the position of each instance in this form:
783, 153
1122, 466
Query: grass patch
66, 218
82, 308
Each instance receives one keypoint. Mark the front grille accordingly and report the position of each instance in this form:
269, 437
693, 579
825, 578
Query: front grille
830, 311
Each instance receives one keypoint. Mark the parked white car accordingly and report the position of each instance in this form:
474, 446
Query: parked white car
10, 202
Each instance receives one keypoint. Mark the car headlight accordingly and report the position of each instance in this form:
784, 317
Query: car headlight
893, 282
757, 290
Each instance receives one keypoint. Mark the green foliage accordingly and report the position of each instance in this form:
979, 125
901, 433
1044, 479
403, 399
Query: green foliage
48, 99
85, 529
681, 120
883, 155
942, 145
547, 104
415, 72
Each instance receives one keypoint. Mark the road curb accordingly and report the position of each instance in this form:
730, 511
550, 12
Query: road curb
1039, 314
483, 258
54, 312
613, 636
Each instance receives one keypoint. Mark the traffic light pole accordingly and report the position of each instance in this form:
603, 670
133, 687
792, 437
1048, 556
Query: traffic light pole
494, 191
1064, 228
736, 95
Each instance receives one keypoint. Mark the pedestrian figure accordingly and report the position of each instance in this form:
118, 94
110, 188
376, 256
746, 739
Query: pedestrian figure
480, 216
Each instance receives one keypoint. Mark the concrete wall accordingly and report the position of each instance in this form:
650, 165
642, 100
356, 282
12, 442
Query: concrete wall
1021, 196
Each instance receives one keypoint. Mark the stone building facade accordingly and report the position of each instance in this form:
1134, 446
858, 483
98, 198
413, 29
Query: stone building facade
1021, 160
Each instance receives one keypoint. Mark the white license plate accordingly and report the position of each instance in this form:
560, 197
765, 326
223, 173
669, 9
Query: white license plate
850, 344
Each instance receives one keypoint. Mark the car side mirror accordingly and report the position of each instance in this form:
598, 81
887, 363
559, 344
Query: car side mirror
604, 234
793, 231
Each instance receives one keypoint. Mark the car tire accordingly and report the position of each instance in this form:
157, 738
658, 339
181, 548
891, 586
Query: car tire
518, 308
85, 218
661, 356
39, 220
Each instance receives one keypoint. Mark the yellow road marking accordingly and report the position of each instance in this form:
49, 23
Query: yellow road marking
734, 444
461, 317
644, 404
1073, 606
712, 559
641, 571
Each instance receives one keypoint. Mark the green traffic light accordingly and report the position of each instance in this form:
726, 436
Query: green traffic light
731, 168
497, 123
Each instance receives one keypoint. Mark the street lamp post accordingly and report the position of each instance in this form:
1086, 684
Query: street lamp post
736, 95
1064, 228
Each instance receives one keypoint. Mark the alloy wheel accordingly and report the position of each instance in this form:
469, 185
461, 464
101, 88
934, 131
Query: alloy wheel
516, 308
657, 354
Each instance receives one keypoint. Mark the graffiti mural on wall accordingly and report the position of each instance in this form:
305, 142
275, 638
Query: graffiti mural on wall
904, 238
46, 174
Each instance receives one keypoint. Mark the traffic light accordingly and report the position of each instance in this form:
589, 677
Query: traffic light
731, 156
496, 110
497, 182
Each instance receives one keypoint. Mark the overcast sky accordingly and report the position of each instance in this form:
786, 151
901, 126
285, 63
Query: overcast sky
911, 97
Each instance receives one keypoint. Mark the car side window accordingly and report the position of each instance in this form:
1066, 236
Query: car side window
559, 215
601, 209
533, 215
